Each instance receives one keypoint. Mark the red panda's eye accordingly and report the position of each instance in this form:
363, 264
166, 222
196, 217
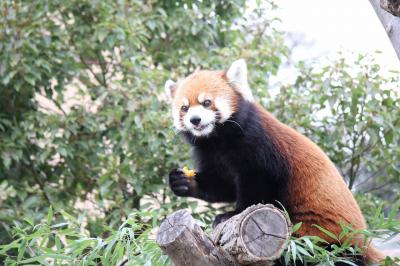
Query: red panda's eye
206, 103
184, 108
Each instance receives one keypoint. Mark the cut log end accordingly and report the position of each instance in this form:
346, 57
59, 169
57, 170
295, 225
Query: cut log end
264, 233
173, 227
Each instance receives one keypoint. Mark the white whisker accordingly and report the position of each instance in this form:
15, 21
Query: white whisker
228, 120
194, 140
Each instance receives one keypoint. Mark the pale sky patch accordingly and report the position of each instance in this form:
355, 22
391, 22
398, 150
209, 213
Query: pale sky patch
326, 27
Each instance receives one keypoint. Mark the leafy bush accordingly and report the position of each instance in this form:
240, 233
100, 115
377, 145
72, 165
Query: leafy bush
64, 244
314, 250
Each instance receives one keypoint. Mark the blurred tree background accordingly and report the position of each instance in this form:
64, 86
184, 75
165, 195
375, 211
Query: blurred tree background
86, 138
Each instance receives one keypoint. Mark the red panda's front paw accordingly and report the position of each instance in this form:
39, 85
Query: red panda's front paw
179, 183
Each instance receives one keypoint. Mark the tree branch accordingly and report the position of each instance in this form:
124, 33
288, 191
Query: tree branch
391, 6
390, 23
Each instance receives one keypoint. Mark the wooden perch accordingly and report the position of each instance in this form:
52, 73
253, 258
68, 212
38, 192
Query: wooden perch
257, 236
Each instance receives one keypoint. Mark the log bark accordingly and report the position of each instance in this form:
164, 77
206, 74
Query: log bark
257, 236
391, 6
390, 22
182, 239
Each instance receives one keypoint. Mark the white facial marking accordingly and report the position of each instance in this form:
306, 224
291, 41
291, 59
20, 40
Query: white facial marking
223, 107
206, 124
201, 97
237, 76
177, 116
204, 132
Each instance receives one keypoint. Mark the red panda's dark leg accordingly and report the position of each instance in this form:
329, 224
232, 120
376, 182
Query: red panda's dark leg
252, 189
214, 189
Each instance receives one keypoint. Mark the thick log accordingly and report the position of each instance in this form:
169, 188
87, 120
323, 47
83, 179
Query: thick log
257, 236
182, 239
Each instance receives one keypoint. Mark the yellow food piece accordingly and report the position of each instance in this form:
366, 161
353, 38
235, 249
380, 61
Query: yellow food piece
189, 173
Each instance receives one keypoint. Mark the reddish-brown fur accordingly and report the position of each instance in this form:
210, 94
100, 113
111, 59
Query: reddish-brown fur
318, 194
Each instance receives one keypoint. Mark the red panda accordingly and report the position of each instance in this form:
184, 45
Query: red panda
245, 155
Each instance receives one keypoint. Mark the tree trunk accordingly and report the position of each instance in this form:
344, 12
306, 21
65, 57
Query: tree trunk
391, 6
257, 236
390, 22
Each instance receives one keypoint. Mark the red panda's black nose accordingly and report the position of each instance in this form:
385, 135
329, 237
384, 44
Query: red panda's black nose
195, 120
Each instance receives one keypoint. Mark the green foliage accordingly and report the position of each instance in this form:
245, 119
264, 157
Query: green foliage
64, 243
314, 250
85, 126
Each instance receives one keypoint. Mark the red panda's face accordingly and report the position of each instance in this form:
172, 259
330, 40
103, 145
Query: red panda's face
201, 101
207, 98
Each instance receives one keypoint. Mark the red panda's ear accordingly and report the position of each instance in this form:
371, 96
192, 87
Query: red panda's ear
170, 88
236, 76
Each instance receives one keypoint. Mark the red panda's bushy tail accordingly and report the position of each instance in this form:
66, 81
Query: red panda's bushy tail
374, 256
